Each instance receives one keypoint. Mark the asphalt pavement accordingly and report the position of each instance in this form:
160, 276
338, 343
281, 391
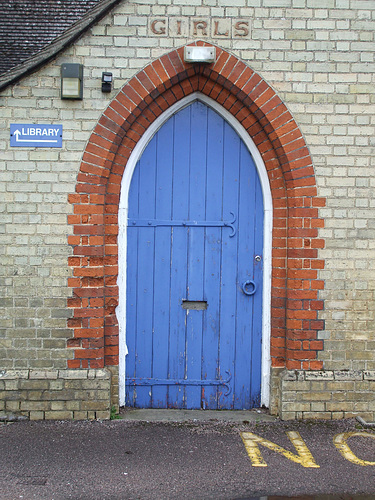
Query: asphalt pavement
145, 457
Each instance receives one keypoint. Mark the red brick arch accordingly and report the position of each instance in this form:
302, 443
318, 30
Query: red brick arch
295, 263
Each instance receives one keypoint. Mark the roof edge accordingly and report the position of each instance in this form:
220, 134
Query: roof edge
58, 44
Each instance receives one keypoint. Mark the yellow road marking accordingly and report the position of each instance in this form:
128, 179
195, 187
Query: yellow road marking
303, 457
340, 441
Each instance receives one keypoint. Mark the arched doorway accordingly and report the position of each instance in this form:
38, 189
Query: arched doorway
194, 228
132, 116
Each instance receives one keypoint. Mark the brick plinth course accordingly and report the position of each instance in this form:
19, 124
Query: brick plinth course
331, 394
55, 394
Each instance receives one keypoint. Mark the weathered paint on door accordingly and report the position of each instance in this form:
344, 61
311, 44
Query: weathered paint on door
194, 268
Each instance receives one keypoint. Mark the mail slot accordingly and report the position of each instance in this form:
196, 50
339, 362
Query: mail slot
195, 305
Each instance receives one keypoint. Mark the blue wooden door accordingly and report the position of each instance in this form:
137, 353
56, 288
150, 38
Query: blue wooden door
194, 268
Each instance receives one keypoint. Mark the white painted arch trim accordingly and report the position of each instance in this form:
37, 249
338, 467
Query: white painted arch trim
267, 243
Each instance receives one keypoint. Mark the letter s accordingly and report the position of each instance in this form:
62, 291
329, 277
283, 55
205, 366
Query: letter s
241, 26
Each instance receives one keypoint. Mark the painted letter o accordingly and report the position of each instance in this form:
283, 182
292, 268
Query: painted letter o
340, 441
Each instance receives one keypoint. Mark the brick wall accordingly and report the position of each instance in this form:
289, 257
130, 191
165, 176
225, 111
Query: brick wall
295, 264
331, 394
318, 61
55, 394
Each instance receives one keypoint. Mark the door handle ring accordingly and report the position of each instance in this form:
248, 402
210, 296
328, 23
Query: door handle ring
245, 289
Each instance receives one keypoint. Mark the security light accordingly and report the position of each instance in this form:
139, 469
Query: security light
199, 54
107, 82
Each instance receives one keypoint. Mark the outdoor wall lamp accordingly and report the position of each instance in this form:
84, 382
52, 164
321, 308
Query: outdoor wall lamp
71, 81
194, 54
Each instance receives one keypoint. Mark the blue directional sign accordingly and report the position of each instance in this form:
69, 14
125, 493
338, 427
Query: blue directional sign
35, 136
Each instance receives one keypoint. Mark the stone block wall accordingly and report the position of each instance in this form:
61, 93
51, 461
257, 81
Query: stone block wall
331, 394
55, 394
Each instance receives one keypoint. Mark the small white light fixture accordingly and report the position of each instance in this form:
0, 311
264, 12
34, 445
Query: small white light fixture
71, 81
196, 54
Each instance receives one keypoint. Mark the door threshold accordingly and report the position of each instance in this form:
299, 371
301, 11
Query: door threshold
167, 415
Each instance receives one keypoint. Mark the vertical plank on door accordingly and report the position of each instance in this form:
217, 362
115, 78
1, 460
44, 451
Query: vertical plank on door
212, 257
180, 210
162, 285
145, 275
256, 327
197, 190
131, 289
247, 204
228, 316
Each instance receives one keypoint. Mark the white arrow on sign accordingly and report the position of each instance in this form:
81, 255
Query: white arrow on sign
17, 133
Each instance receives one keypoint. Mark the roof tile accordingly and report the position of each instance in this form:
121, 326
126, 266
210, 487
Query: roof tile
28, 25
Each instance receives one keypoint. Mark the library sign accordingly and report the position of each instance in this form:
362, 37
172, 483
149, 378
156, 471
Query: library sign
35, 136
